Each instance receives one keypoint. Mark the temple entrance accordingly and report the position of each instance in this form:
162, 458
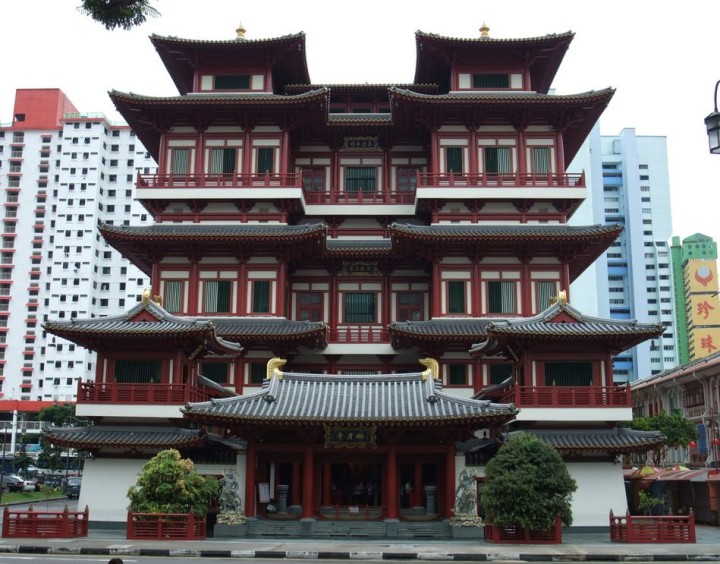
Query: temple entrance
356, 484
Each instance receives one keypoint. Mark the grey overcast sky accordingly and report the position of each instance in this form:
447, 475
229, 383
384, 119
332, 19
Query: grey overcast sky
659, 55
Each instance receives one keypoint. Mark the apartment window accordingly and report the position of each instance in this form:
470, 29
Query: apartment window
501, 297
215, 371
497, 160
359, 307
453, 159
261, 296
265, 157
232, 82
217, 296
313, 179
173, 296
222, 161
456, 296
360, 179
310, 306
409, 306
457, 375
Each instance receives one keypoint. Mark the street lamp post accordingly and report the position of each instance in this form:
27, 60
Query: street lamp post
712, 123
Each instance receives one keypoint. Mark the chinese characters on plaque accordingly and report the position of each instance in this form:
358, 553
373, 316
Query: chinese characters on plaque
350, 437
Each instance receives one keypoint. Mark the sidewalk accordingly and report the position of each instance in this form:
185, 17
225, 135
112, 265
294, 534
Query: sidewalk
575, 547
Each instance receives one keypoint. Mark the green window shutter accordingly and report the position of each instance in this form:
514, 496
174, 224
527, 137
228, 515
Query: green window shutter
491, 160
265, 159
232, 82
137, 371
173, 299
545, 291
541, 160
453, 159
360, 179
499, 373
261, 296
456, 296
180, 161
359, 307
568, 373
491, 81
217, 296
258, 372
222, 161
501, 297
457, 375
215, 371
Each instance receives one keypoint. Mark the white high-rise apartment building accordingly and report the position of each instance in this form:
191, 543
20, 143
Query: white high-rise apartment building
635, 279
61, 171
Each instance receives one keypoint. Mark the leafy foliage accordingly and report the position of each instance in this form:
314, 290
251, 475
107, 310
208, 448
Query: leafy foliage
56, 416
168, 484
528, 485
677, 430
124, 14
646, 502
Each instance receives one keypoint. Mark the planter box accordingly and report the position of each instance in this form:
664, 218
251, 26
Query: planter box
652, 529
516, 535
44, 524
165, 526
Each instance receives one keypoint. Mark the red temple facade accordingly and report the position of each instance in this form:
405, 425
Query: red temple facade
356, 231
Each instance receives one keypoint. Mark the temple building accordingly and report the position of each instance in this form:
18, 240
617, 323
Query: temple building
358, 291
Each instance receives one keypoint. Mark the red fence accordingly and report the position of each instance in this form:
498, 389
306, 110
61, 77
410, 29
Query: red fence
568, 396
111, 392
40, 524
165, 526
517, 535
652, 529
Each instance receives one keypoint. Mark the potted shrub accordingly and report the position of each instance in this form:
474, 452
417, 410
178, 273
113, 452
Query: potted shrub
528, 493
170, 499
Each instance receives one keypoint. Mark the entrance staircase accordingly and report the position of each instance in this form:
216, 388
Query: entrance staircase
328, 529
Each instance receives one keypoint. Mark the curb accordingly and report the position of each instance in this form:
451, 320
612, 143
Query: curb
337, 555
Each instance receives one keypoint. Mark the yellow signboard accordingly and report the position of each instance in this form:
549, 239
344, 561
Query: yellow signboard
706, 341
705, 310
701, 276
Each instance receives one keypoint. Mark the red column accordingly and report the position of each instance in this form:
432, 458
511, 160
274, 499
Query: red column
297, 486
327, 482
308, 494
284, 152
250, 480
281, 288
521, 152
385, 299
448, 496
417, 486
526, 289
199, 152
392, 496
194, 287
473, 168
334, 299
565, 280
436, 289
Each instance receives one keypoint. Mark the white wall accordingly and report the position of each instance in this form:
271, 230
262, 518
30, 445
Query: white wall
601, 487
104, 487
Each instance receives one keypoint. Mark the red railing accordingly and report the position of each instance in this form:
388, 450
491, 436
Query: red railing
652, 529
252, 180
112, 392
568, 396
359, 334
517, 535
360, 197
41, 524
509, 180
165, 526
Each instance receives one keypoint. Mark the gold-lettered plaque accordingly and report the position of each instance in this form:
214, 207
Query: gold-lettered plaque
350, 437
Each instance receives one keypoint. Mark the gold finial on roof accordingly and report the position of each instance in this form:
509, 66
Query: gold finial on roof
273, 368
158, 300
433, 368
562, 297
146, 296
240, 32
484, 30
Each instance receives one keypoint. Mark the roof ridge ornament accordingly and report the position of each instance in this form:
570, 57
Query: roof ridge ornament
273, 368
145, 296
240, 32
484, 31
560, 299
433, 368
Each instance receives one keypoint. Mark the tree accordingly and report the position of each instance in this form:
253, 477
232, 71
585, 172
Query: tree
677, 430
646, 502
168, 484
124, 14
55, 416
527, 485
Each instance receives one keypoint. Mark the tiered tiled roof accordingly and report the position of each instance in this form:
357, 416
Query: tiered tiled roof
125, 437
614, 441
310, 399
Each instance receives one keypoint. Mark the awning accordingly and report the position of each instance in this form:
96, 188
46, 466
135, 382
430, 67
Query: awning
696, 475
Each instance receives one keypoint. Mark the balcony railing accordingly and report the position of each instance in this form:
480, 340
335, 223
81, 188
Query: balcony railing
505, 180
359, 334
253, 180
167, 394
568, 396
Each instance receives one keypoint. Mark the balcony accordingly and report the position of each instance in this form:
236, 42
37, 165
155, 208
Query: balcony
359, 334
157, 394
568, 396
